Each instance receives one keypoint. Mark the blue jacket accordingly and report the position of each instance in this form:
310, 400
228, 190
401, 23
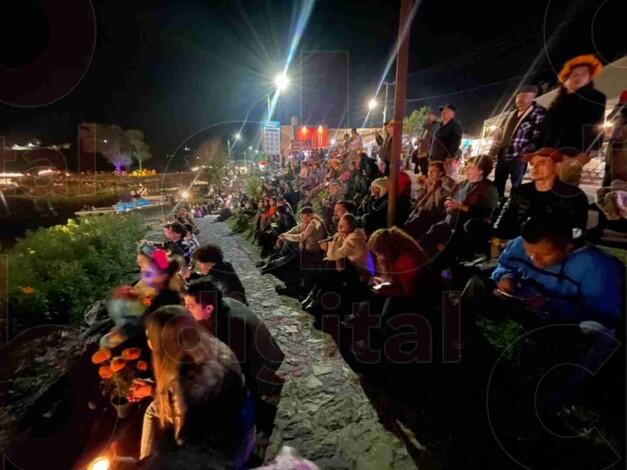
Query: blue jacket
587, 285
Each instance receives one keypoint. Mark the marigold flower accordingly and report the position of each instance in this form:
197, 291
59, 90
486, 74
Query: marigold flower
103, 354
105, 372
142, 365
130, 354
28, 290
117, 364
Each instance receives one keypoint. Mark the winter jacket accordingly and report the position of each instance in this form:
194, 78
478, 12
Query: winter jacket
587, 285
226, 280
308, 238
564, 200
354, 247
446, 141
575, 120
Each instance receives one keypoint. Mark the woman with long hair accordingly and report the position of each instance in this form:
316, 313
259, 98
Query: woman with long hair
200, 398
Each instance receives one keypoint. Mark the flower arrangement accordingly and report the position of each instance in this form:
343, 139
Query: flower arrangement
143, 172
117, 373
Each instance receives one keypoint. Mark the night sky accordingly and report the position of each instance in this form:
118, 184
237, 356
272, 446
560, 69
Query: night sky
173, 69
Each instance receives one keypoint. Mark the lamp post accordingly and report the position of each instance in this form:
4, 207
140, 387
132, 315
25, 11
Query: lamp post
385, 104
230, 147
281, 82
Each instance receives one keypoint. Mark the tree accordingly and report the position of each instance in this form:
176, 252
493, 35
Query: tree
137, 148
115, 144
212, 159
413, 122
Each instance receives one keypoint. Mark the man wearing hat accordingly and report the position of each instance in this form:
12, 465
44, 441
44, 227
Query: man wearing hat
447, 136
524, 131
545, 196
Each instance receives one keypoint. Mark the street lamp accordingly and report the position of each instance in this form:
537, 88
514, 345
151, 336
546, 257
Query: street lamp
372, 104
281, 82
236, 137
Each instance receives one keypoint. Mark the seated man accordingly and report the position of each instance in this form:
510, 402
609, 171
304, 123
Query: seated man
550, 281
545, 195
249, 338
177, 244
210, 262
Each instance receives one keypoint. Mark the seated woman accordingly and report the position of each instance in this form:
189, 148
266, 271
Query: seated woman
430, 207
403, 282
474, 198
200, 397
376, 206
210, 262
161, 280
346, 255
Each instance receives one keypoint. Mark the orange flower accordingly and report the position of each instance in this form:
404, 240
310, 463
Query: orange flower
147, 301
130, 354
117, 364
28, 290
142, 365
105, 372
101, 355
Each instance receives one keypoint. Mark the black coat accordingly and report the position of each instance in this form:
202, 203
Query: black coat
575, 120
446, 140
226, 280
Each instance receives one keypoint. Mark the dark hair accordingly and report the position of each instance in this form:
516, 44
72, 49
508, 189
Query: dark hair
552, 229
483, 162
307, 210
209, 253
281, 210
204, 292
439, 166
353, 130
179, 228
189, 228
348, 205
386, 123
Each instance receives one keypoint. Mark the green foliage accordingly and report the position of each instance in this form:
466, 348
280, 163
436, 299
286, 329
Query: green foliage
413, 122
506, 335
254, 188
55, 273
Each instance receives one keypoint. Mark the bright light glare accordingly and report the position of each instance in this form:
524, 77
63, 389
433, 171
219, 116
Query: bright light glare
185, 195
238, 136
608, 124
372, 104
281, 82
101, 463
333, 141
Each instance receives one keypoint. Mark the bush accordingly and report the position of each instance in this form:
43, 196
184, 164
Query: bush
57, 272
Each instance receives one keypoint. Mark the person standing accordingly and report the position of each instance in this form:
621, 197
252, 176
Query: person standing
524, 131
447, 137
577, 113
386, 145
420, 157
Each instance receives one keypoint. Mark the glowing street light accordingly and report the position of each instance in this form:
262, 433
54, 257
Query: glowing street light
237, 136
281, 82
372, 104
250, 148
101, 463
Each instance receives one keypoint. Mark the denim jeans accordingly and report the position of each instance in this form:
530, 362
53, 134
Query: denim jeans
514, 168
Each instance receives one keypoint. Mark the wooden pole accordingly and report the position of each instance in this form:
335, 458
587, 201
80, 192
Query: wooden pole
402, 59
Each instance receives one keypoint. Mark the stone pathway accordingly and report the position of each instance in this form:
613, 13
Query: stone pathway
323, 412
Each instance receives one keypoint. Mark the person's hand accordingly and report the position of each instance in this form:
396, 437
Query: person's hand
537, 302
507, 284
453, 204
140, 389
324, 246
282, 237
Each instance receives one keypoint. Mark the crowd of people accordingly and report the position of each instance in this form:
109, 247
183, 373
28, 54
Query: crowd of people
322, 225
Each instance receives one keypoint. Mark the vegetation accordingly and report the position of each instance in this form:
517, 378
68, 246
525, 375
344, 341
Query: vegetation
56, 273
413, 122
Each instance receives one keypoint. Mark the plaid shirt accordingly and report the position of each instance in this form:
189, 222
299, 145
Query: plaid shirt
530, 135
